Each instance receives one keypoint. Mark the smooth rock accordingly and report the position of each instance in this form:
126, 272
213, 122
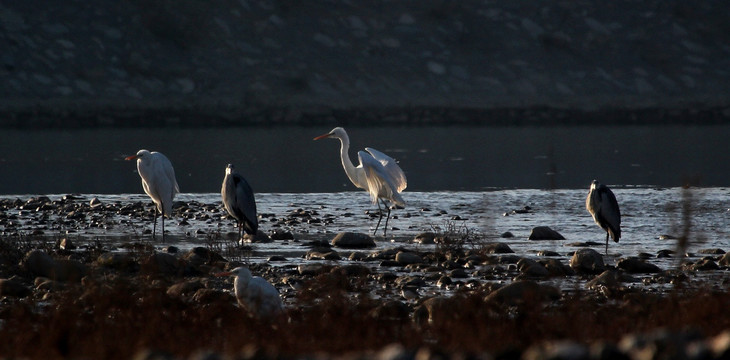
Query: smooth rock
350, 240
259, 237
39, 263
162, 264
634, 266
611, 279
311, 269
406, 258
497, 248
556, 268
544, 233
587, 261
531, 268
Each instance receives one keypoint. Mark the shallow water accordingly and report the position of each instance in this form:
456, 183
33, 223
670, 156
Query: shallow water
647, 214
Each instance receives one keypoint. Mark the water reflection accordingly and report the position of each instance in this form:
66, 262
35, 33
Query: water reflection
285, 159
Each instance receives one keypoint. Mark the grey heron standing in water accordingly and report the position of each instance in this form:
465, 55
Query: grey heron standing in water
602, 205
239, 202
378, 174
158, 181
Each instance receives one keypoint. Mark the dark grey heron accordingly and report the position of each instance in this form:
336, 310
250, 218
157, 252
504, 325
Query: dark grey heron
239, 201
254, 293
158, 181
602, 205
378, 174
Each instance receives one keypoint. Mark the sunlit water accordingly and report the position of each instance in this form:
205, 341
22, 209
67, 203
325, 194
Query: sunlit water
648, 214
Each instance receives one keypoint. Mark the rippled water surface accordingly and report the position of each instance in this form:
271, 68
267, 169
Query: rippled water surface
647, 215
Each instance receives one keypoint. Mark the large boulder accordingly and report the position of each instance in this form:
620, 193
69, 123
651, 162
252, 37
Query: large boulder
544, 233
162, 264
407, 258
635, 266
497, 248
350, 240
611, 279
39, 263
587, 261
531, 268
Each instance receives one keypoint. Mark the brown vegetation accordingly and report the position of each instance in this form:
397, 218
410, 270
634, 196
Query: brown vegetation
334, 314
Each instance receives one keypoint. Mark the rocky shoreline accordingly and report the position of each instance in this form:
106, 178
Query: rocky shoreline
263, 62
343, 300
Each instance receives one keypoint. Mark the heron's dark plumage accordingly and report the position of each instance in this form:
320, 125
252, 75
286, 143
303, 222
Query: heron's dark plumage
602, 204
238, 199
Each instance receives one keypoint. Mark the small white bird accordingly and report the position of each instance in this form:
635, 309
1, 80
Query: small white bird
254, 293
158, 181
378, 174
239, 201
602, 204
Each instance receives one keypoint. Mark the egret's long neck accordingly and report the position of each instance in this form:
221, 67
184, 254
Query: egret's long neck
347, 163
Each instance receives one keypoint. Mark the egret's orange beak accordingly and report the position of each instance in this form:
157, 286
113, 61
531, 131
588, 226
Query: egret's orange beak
323, 136
133, 157
225, 273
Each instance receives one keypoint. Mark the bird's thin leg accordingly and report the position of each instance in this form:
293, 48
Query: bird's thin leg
380, 211
154, 226
385, 229
163, 227
240, 232
606, 242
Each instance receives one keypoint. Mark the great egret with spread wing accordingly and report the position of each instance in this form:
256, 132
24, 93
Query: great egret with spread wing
378, 174
602, 204
158, 181
254, 293
239, 201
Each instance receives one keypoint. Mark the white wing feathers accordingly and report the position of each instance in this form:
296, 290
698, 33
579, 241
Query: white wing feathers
391, 168
384, 178
262, 298
158, 180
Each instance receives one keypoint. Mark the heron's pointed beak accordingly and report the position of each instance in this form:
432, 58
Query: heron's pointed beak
133, 157
225, 273
323, 136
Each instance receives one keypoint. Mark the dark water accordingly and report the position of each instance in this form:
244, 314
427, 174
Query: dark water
281, 160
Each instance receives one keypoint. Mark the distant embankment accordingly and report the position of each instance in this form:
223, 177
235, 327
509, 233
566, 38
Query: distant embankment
267, 62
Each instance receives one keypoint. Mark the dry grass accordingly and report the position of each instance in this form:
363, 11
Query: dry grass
334, 315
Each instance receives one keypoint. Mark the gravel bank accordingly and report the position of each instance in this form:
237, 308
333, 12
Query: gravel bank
137, 63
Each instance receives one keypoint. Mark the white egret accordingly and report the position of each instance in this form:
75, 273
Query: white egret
378, 174
254, 293
158, 181
602, 204
239, 201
